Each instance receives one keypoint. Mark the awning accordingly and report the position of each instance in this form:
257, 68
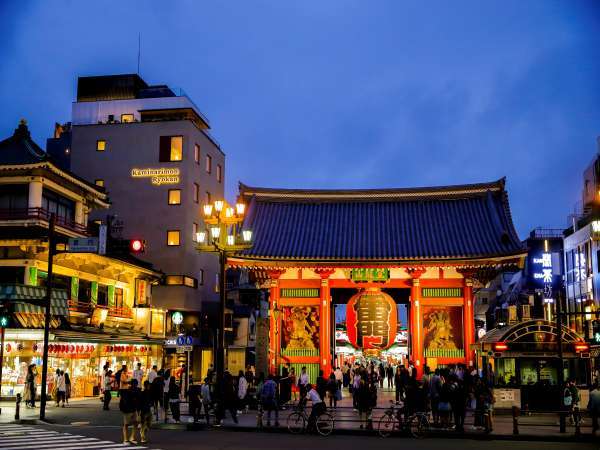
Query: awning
90, 334
28, 299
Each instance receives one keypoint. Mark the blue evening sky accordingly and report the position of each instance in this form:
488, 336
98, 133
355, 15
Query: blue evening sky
333, 94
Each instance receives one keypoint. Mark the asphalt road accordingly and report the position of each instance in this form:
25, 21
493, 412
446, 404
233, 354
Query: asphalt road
234, 440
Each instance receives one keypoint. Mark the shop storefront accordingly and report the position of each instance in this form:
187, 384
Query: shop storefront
82, 360
526, 369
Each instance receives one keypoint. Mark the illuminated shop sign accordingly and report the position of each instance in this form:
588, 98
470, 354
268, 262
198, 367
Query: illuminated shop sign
162, 175
543, 268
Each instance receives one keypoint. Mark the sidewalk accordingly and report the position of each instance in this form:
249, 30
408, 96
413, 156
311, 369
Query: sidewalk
89, 412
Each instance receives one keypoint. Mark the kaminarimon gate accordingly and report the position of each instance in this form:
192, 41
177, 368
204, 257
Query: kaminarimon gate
424, 248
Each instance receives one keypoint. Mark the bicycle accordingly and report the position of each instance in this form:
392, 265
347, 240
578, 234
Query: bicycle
298, 421
394, 420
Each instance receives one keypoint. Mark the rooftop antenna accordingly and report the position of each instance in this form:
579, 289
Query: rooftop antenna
139, 51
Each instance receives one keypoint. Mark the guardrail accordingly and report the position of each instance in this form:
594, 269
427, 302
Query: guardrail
41, 214
520, 418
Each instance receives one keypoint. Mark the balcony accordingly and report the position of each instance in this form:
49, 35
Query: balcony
122, 312
42, 215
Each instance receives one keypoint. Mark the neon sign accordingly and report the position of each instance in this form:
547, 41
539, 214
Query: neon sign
162, 175
546, 268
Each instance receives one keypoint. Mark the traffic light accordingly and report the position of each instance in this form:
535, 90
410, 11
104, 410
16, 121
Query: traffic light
4, 317
596, 331
137, 245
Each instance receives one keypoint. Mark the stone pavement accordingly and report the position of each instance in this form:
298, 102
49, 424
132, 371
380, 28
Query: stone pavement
89, 412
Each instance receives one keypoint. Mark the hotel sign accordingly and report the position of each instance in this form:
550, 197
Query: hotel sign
159, 176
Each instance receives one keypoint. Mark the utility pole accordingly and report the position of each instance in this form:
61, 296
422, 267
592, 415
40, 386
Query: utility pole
561, 368
47, 301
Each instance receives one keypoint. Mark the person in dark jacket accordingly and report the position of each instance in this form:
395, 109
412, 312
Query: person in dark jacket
145, 411
157, 387
458, 402
129, 406
195, 401
321, 385
332, 388
227, 398
174, 399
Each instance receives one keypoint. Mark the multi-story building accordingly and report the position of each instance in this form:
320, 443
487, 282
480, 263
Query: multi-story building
101, 305
149, 147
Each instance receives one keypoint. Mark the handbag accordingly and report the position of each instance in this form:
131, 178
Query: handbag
444, 407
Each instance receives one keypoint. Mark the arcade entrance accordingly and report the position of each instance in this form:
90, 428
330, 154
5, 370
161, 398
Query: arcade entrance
350, 348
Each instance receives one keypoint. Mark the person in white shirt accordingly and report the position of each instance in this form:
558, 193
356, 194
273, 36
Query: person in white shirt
152, 374
303, 382
339, 376
206, 399
318, 405
61, 388
138, 374
242, 391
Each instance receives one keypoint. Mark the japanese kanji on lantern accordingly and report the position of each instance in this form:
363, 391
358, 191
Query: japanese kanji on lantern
371, 319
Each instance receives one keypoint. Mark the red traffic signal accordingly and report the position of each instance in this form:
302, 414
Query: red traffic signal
500, 346
137, 246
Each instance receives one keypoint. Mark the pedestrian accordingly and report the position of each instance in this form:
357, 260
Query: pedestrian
303, 382
145, 411
174, 399
138, 374
167, 378
332, 387
122, 378
362, 394
444, 405
61, 388
152, 374
242, 391
249, 375
67, 386
398, 384
157, 389
356, 379
285, 386
458, 401
435, 385
268, 399
381, 375
294, 384
206, 399
345, 375
194, 395
594, 407
229, 398
107, 385
389, 375
29, 391
576, 399
129, 406
321, 385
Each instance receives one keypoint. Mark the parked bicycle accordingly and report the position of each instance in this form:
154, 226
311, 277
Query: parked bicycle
298, 421
395, 419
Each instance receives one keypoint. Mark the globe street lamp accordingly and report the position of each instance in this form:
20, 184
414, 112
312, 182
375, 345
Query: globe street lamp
223, 234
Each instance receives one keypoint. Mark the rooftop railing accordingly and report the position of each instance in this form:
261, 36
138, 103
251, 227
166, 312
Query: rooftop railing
43, 215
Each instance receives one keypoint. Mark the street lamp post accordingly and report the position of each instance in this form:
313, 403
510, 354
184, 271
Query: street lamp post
223, 235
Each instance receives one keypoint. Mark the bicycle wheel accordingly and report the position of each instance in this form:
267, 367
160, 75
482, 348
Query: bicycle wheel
419, 426
325, 424
387, 425
296, 423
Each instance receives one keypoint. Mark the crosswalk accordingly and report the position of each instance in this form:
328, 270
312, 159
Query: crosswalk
21, 437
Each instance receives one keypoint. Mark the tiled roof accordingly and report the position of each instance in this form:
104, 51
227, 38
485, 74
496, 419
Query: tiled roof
20, 148
434, 223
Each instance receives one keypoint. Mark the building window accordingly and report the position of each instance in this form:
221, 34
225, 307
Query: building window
194, 231
181, 280
207, 198
208, 164
173, 237
196, 193
201, 277
219, 173
119, 298
126, 118
100, 145
197, 153
99, 182
171, 148
174, 196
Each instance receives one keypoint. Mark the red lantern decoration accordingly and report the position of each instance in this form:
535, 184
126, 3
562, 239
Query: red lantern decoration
8, 347
371, 319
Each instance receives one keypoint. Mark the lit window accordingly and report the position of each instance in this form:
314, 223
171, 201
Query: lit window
201, 277
170, 148
207, 198
99, 183
189, 282
196, 193
194, 231
174, 196
176, 148
100, 145
208, 164
181, 280
219, 173
197, 153
126, 118
173, 237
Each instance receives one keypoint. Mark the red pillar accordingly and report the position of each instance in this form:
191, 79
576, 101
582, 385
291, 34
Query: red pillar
468, 320
325, 322
274, 321
416, 321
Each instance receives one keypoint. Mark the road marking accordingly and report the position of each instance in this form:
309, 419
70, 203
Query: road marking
19, 437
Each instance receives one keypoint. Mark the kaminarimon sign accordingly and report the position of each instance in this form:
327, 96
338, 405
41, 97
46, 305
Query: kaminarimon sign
161, 175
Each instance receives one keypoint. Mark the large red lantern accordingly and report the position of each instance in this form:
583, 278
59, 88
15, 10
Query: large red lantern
371, 319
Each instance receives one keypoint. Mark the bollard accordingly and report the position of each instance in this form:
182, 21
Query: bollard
563, 421
577, 415
259, 418
515, 413
17, 406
